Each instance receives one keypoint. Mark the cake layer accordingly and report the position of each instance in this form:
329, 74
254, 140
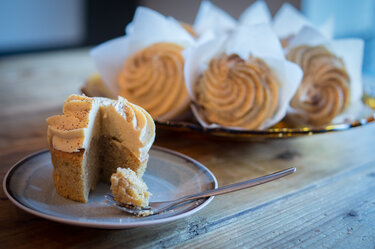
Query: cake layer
68, 174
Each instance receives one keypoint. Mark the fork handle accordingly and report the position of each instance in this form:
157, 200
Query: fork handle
238, 186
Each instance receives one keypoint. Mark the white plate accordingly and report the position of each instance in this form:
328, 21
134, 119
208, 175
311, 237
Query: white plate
169, 175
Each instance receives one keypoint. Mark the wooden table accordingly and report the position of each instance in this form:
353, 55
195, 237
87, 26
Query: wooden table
329, 202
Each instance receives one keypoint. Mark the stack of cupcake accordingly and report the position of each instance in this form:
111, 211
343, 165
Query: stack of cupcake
250, 73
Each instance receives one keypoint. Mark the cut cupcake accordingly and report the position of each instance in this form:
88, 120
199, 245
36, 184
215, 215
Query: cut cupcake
93, 138
324, 91
237, 93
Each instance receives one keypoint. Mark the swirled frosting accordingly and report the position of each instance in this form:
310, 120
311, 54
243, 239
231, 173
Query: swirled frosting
129, 124
154, 79
238, 93
325, 88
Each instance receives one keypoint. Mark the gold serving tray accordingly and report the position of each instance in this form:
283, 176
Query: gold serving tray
94, 87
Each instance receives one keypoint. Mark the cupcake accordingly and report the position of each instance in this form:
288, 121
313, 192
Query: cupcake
154, 79
331, 88
242, 80
324, 91
146, 66
236, 92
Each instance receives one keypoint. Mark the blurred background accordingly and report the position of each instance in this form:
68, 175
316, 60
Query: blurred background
42, 25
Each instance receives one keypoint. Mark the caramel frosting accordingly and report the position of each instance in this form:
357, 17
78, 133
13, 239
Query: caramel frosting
325, 88
154, 79
69, 132
72, 131
237, 93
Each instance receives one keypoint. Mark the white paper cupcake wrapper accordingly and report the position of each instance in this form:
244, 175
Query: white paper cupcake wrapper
256, 13
259, 41
212, 18
289, 21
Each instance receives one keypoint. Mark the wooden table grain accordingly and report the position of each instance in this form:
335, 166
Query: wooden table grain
328, 203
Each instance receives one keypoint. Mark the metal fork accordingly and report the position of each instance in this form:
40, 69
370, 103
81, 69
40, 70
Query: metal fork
159, 207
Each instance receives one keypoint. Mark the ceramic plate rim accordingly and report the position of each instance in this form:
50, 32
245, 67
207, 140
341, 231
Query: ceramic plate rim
107, 225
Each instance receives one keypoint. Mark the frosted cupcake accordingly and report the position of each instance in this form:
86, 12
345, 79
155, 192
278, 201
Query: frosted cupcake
331, 83
241, 81
146, 66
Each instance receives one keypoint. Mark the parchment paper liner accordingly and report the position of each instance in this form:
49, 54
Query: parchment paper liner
289, 21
